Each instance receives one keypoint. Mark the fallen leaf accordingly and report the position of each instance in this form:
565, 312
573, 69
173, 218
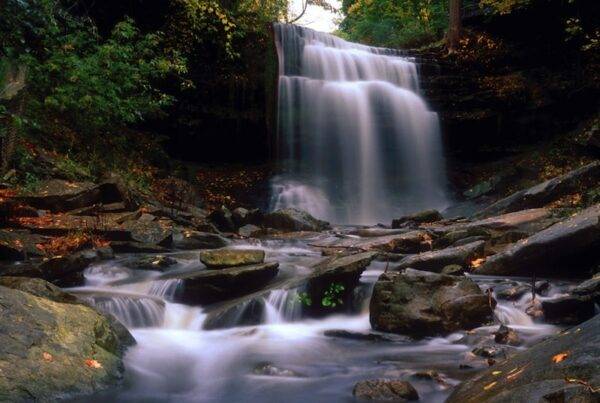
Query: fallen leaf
489, 386
559, 357
47, 356
496, 372
93, 364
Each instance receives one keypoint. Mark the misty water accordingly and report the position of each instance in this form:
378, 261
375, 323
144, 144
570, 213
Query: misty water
356, 142
285, 357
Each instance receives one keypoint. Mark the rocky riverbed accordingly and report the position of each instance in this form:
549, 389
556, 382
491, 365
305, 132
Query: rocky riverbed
163, 301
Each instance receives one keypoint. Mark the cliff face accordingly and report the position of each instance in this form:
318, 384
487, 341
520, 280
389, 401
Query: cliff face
514, 82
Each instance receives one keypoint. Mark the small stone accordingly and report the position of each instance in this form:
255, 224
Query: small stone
385, 389
250, 230
487, 351
506, 335
453, 270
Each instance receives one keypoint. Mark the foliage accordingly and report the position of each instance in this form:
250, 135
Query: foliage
304, 298
504, 6
332, 296
393, 23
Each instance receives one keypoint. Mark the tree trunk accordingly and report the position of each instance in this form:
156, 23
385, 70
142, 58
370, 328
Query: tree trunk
454, 25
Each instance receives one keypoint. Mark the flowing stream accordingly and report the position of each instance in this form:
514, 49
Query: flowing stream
356, 142
283, 357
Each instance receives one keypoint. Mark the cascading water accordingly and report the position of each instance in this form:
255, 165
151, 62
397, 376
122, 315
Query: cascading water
356, 142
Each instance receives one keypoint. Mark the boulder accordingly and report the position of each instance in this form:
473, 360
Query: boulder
146, 230
419, 304
453, 270
562, 368
436, 260
589, 288
566, 249
50, 349
568, 310
508, 336
189, 239
209, 286
158, 262
67, 270
250, 230
292, 219
407, 242
421, 217
219, 258
39, 288
222, 219
546, 192
242, 216
513, 292
385, 390
331, 283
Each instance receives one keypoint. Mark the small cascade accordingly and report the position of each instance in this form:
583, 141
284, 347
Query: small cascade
282, 306
178, 316
511, 315
356, 142
165, 288
132, 311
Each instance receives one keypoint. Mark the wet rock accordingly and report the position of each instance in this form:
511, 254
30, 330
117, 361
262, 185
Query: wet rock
435, 261
385, 390
209, 286
331, 283
569, 310
408, 242
67, 270
513, 293
537, 374
344, 334
219, 258
291, 219
223, 219
39, 288
420, 304
460, 235
421, 217
541, 287
149, 231
488, 351
589, 288
468, 240
50, 349
242, 216
136, 247
268, 369
189, 239
250, 231
453, 270
158, 262
506, 335
377, 232
546, 192
573, 243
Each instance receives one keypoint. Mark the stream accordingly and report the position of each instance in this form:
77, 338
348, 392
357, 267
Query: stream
286, 357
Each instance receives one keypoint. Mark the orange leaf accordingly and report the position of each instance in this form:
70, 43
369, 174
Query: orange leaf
559, 357
47, 356
93, 364
489, 386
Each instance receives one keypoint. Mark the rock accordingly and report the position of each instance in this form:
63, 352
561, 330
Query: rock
453, 270
407, 242
219, 258
209, 286
506, 335
539, 374
541, 287
268, 369
331, 283
385, 390
420, 304
19, 244
242, 216
148, 231
250, 231
589, 288
158, 262
39, 288
136, 247
529, 221
344, 334
223, 219
573, 243
50, 349
426, 216
468, 240
488, 351
453, 237
67, 270
377, 232
189, 239
291, 219
569, 310
513, 293
435, 261
546, 192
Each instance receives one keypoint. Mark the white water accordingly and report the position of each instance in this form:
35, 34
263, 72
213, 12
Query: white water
356, 142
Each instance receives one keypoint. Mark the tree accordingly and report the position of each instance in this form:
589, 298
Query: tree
454, 25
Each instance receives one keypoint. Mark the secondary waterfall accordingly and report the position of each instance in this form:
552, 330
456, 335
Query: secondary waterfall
356, 142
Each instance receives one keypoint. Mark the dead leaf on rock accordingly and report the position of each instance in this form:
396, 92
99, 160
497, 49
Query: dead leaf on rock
47, 356
93, 364
559, 357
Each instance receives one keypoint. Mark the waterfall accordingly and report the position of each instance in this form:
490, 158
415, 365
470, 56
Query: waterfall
356, 143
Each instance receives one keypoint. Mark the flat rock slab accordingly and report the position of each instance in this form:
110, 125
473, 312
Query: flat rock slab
291, 219
210, 286
546, 192
435, 261
220, 258
555, 370
565, 248
407, 242
419, 304
385, 390
19, 244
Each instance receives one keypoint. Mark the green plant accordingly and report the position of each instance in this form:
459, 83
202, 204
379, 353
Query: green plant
304, 298
332, 296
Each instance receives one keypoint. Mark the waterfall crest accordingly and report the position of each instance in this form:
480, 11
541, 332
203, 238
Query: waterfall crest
356, 142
